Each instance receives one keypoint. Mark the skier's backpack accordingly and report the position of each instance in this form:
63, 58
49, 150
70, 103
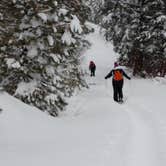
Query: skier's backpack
118, 75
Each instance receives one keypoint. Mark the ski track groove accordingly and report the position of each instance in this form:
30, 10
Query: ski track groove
141, 141
142, 149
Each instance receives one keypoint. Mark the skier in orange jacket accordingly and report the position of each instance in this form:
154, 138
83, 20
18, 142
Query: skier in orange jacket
117, 81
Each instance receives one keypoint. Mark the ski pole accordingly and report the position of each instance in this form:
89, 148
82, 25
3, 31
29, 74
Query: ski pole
106, 86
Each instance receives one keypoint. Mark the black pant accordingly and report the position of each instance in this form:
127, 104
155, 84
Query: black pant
92, 72
117, 87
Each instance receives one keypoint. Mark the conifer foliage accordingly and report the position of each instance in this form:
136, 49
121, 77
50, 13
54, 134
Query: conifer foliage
40, 46
95, 8
137, 29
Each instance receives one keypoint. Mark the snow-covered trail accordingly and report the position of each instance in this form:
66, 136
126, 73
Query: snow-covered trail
94, 130
138, 141
142, 149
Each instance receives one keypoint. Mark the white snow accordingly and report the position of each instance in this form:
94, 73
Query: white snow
50, 40
50, 70
67, 38
32, 52
54, 29
55, 57
35, 23
160, 80
43, 16
55, 17
26, 88
161, 18
75, 25
94, 130
63, 12
164, 34
55, 3
51, 98
12, 63
1, 16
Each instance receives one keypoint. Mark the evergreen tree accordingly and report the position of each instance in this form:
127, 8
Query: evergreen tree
40, 59
152, 37
137, 31
95, 8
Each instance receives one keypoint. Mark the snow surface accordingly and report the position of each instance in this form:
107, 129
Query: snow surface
94, 130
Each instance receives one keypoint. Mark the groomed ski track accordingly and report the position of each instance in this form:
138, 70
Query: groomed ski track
94, 130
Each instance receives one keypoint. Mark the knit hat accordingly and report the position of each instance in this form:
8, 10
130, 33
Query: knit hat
116, 64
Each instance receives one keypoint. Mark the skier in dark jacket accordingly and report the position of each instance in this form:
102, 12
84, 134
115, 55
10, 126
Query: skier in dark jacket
92, 68
117, 81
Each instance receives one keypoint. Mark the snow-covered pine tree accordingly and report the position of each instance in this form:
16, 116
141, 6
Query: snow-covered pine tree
137, 29
95, 8
40, 60
152, 36
9, 19
121, 21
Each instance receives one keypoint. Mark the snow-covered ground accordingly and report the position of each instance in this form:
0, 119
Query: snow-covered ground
94, 130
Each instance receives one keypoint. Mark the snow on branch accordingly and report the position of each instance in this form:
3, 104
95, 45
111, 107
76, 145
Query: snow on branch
67, 38
43, 16
75, 25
